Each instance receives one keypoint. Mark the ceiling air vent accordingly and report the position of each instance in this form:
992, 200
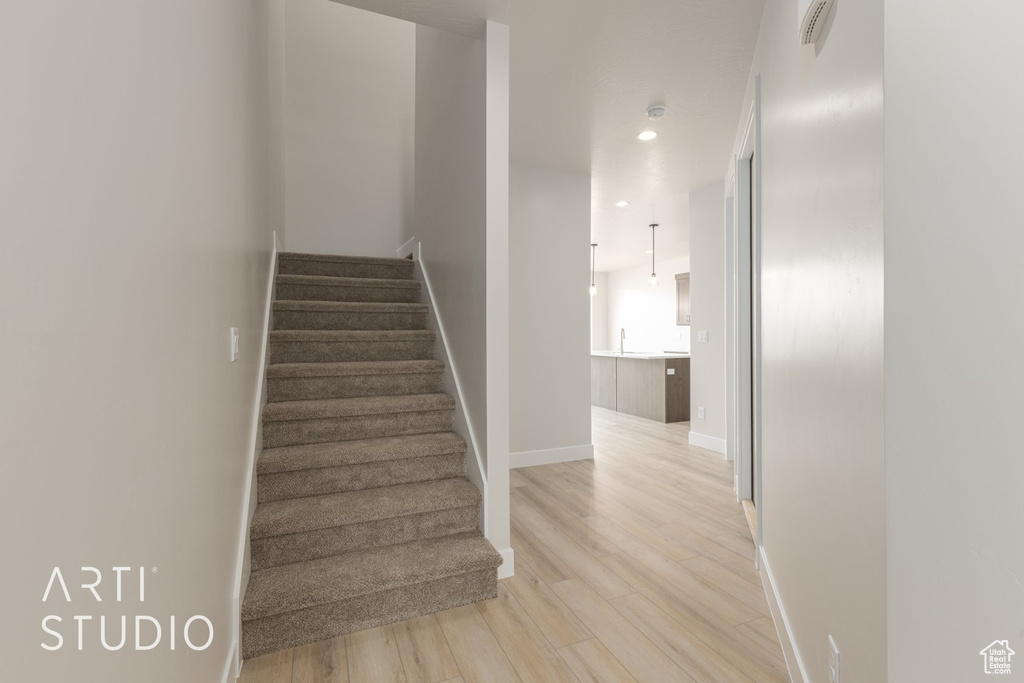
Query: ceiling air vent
812, 19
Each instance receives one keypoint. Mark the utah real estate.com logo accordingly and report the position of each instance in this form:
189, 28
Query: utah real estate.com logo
196, 632
997, 657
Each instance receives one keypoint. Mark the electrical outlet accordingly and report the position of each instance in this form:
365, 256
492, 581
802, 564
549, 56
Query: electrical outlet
702, 335
700, 413
833, 661
234, 344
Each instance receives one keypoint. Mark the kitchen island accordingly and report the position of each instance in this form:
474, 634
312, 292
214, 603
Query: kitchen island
651, 385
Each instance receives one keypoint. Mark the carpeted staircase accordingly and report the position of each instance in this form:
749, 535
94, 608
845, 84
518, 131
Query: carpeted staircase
364, 516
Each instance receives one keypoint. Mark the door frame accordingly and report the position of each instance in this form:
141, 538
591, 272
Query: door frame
743, 312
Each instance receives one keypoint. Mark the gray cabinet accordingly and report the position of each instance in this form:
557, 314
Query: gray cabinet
656, 389
683, 299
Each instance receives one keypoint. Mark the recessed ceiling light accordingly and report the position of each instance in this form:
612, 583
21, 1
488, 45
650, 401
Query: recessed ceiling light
647, 135
622, 202
649, 251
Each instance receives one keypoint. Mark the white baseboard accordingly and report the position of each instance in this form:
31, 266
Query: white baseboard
408, 249
797, 672
709, 442
508, 563
550, 456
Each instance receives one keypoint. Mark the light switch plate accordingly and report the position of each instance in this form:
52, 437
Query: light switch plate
671, 371
234, 344
702, 335
700, 413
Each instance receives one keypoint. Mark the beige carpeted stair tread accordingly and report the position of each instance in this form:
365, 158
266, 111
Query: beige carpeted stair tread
359, 336
363, 405
387, 367
349, 307
373, 260
342, 577
338, 509
331, 281
345, 453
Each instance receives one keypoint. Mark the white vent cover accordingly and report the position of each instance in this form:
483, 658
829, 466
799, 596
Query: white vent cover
811, 17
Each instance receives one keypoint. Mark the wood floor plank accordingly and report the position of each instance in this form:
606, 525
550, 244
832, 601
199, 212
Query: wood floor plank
745, 591
273, 668
742, 566
642, 658
477, 652
599, 577
593, 663
533, 657
373, 657
699, 620
529, 549
762, 632
689, 652
553, 618
323, 662
424, 650
741, 544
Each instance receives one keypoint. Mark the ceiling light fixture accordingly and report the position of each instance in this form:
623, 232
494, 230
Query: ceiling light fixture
593, 266
622, 202
647, 135
654, 278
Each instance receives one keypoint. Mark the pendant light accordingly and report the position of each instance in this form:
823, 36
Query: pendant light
654, 277
593, 266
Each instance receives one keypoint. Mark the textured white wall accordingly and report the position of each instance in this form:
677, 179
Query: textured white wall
707, 309
647, 313
135, 235
823, 507
953, 397
349, 110
549, 260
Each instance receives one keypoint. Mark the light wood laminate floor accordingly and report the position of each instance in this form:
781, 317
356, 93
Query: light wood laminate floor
636, 566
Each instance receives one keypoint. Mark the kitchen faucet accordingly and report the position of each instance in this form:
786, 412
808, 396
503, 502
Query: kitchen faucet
622, 341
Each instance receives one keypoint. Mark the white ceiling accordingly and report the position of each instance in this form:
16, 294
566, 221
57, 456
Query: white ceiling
584, 73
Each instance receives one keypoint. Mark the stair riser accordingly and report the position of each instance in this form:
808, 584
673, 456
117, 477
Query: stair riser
312, 545
396, 295
283, 631
333, 269
298, 432
328, 320
351, 386
331, 352
371, 475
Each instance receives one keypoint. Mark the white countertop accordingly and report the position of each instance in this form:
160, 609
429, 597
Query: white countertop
642, 355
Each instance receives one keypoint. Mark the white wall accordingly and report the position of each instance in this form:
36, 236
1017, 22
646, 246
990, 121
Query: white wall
135, 173
707, 309
823, 476
953, 398
349, 110
461, 222
647, 313
599, 314
549, 262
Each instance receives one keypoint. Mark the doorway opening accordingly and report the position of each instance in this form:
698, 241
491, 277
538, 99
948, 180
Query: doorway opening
744, 321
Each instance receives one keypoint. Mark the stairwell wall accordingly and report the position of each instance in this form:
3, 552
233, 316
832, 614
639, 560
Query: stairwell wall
347, 127
461, 225
135, 176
